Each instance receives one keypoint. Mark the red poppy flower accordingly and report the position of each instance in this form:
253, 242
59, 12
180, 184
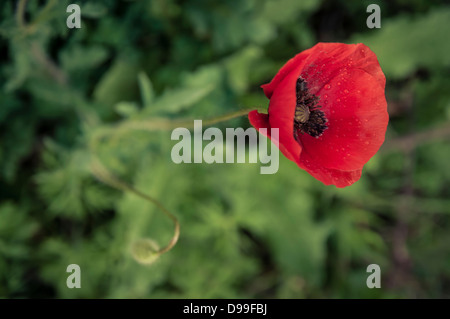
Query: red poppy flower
329, 106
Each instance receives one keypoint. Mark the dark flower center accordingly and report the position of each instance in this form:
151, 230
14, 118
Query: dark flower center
308, 118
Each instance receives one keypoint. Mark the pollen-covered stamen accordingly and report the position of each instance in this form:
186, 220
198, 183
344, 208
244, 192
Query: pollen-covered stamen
308, 118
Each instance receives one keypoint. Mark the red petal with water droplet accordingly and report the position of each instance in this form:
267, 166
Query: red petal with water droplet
357, 119
350, 83
328, 176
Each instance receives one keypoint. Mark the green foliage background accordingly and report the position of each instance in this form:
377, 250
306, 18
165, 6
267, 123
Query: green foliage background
243, 234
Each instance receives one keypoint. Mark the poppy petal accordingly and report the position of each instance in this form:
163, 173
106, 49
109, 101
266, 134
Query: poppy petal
328, 176
261, 120
281, 112
327, 61
293, 65
357, 116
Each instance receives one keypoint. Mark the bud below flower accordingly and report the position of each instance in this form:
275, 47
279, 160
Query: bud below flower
145, 251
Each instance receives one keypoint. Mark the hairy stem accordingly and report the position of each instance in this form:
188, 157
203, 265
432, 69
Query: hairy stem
167, 124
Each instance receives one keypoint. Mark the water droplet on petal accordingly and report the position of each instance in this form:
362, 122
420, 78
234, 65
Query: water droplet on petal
328, 86
346, 91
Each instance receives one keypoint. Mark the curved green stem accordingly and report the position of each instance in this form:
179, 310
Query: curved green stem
104, 175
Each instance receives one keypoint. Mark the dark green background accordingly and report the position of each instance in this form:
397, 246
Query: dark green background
243, 234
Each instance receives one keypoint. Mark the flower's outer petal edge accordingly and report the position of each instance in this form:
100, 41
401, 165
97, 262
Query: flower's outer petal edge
295, 63
261, 120
281, 112
328, 176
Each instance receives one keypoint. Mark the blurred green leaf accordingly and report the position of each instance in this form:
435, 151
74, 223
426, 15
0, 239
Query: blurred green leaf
82, 58
93, 10
405, 44
118, 84
145, 85
126, 109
